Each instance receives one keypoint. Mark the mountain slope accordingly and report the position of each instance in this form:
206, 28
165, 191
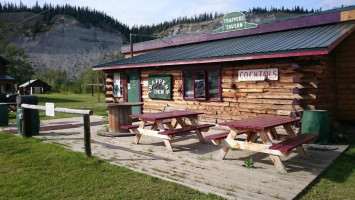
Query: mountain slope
67, 45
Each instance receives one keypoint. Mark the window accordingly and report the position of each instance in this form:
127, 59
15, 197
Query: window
202, 85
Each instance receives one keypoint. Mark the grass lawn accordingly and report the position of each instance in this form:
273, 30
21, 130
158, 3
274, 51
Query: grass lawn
339, 180
76, 101
30, 169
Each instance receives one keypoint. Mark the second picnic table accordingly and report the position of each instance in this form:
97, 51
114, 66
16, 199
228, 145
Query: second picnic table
164, 125
263, 127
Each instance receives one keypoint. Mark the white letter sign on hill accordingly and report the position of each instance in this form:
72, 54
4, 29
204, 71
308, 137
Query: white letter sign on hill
258, 74
50, 109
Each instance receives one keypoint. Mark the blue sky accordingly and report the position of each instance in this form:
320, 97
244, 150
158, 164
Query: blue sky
147, 12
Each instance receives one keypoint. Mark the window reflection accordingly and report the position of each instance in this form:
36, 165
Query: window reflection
200, 85
213, 85
189, 85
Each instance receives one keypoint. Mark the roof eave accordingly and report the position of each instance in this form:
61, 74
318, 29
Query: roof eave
223, 59
340, 39
4, 60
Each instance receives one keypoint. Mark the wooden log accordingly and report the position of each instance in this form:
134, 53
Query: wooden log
57, 109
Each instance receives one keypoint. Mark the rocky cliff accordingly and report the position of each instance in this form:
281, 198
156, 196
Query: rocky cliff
68, 45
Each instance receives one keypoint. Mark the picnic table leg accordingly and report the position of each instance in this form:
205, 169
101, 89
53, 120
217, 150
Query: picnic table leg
275, 158
222, 153
199, 136
181, 122
278, 163
166, 141
197, 132
224, 150
292, 134
252, 137
137, 138
170, 127
272, 133
138, 135
168, 145
174, 123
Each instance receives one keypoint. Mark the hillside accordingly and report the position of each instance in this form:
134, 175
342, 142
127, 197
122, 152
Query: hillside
72, 38
64, 44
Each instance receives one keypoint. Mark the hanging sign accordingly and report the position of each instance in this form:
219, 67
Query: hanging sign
258, 74
117, 85
234, 21
159, 86
50, 109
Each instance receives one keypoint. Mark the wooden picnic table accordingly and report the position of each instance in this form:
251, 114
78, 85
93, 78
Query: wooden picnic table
164, 125
263, 128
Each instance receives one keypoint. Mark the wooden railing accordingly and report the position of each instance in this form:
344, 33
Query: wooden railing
26, 122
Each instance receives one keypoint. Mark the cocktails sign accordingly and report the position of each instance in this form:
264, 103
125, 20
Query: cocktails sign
234, 21
159, 86
258, 74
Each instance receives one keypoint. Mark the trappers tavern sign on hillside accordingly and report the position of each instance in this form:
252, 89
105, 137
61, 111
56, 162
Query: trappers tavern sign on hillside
234, 21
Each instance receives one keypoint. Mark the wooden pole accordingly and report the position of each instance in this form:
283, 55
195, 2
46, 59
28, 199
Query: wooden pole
98, 88
87, 139
92, 89
26, 122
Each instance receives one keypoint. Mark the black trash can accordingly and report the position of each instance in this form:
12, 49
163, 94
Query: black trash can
4, 115
34, 114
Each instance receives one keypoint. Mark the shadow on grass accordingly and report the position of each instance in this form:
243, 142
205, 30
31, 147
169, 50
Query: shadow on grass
342, 169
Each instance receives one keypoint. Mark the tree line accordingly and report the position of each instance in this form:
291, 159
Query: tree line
91, 17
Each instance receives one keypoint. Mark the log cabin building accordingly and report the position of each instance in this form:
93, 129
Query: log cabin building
272, 69
6, 81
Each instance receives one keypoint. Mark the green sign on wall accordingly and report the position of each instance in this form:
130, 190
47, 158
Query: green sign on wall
159, 86
234, 21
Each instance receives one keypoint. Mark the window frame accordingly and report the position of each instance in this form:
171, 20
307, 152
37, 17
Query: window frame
206, 89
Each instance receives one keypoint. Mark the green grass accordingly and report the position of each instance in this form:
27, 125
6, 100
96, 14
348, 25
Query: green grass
338, 182
76, 101
31, 169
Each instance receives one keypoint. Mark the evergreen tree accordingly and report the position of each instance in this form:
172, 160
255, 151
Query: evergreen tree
19, 67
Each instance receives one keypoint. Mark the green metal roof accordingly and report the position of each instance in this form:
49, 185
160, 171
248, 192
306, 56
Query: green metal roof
6, 78
320, 38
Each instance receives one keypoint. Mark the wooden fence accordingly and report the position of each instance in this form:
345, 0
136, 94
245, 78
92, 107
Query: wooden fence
26, 122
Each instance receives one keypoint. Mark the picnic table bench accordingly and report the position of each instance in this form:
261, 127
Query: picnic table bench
170, 119
263, 128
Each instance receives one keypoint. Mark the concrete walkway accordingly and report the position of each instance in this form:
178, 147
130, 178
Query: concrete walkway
193, 164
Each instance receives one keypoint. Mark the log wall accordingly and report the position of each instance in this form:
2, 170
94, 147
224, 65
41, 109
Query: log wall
345, 62
304, 83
